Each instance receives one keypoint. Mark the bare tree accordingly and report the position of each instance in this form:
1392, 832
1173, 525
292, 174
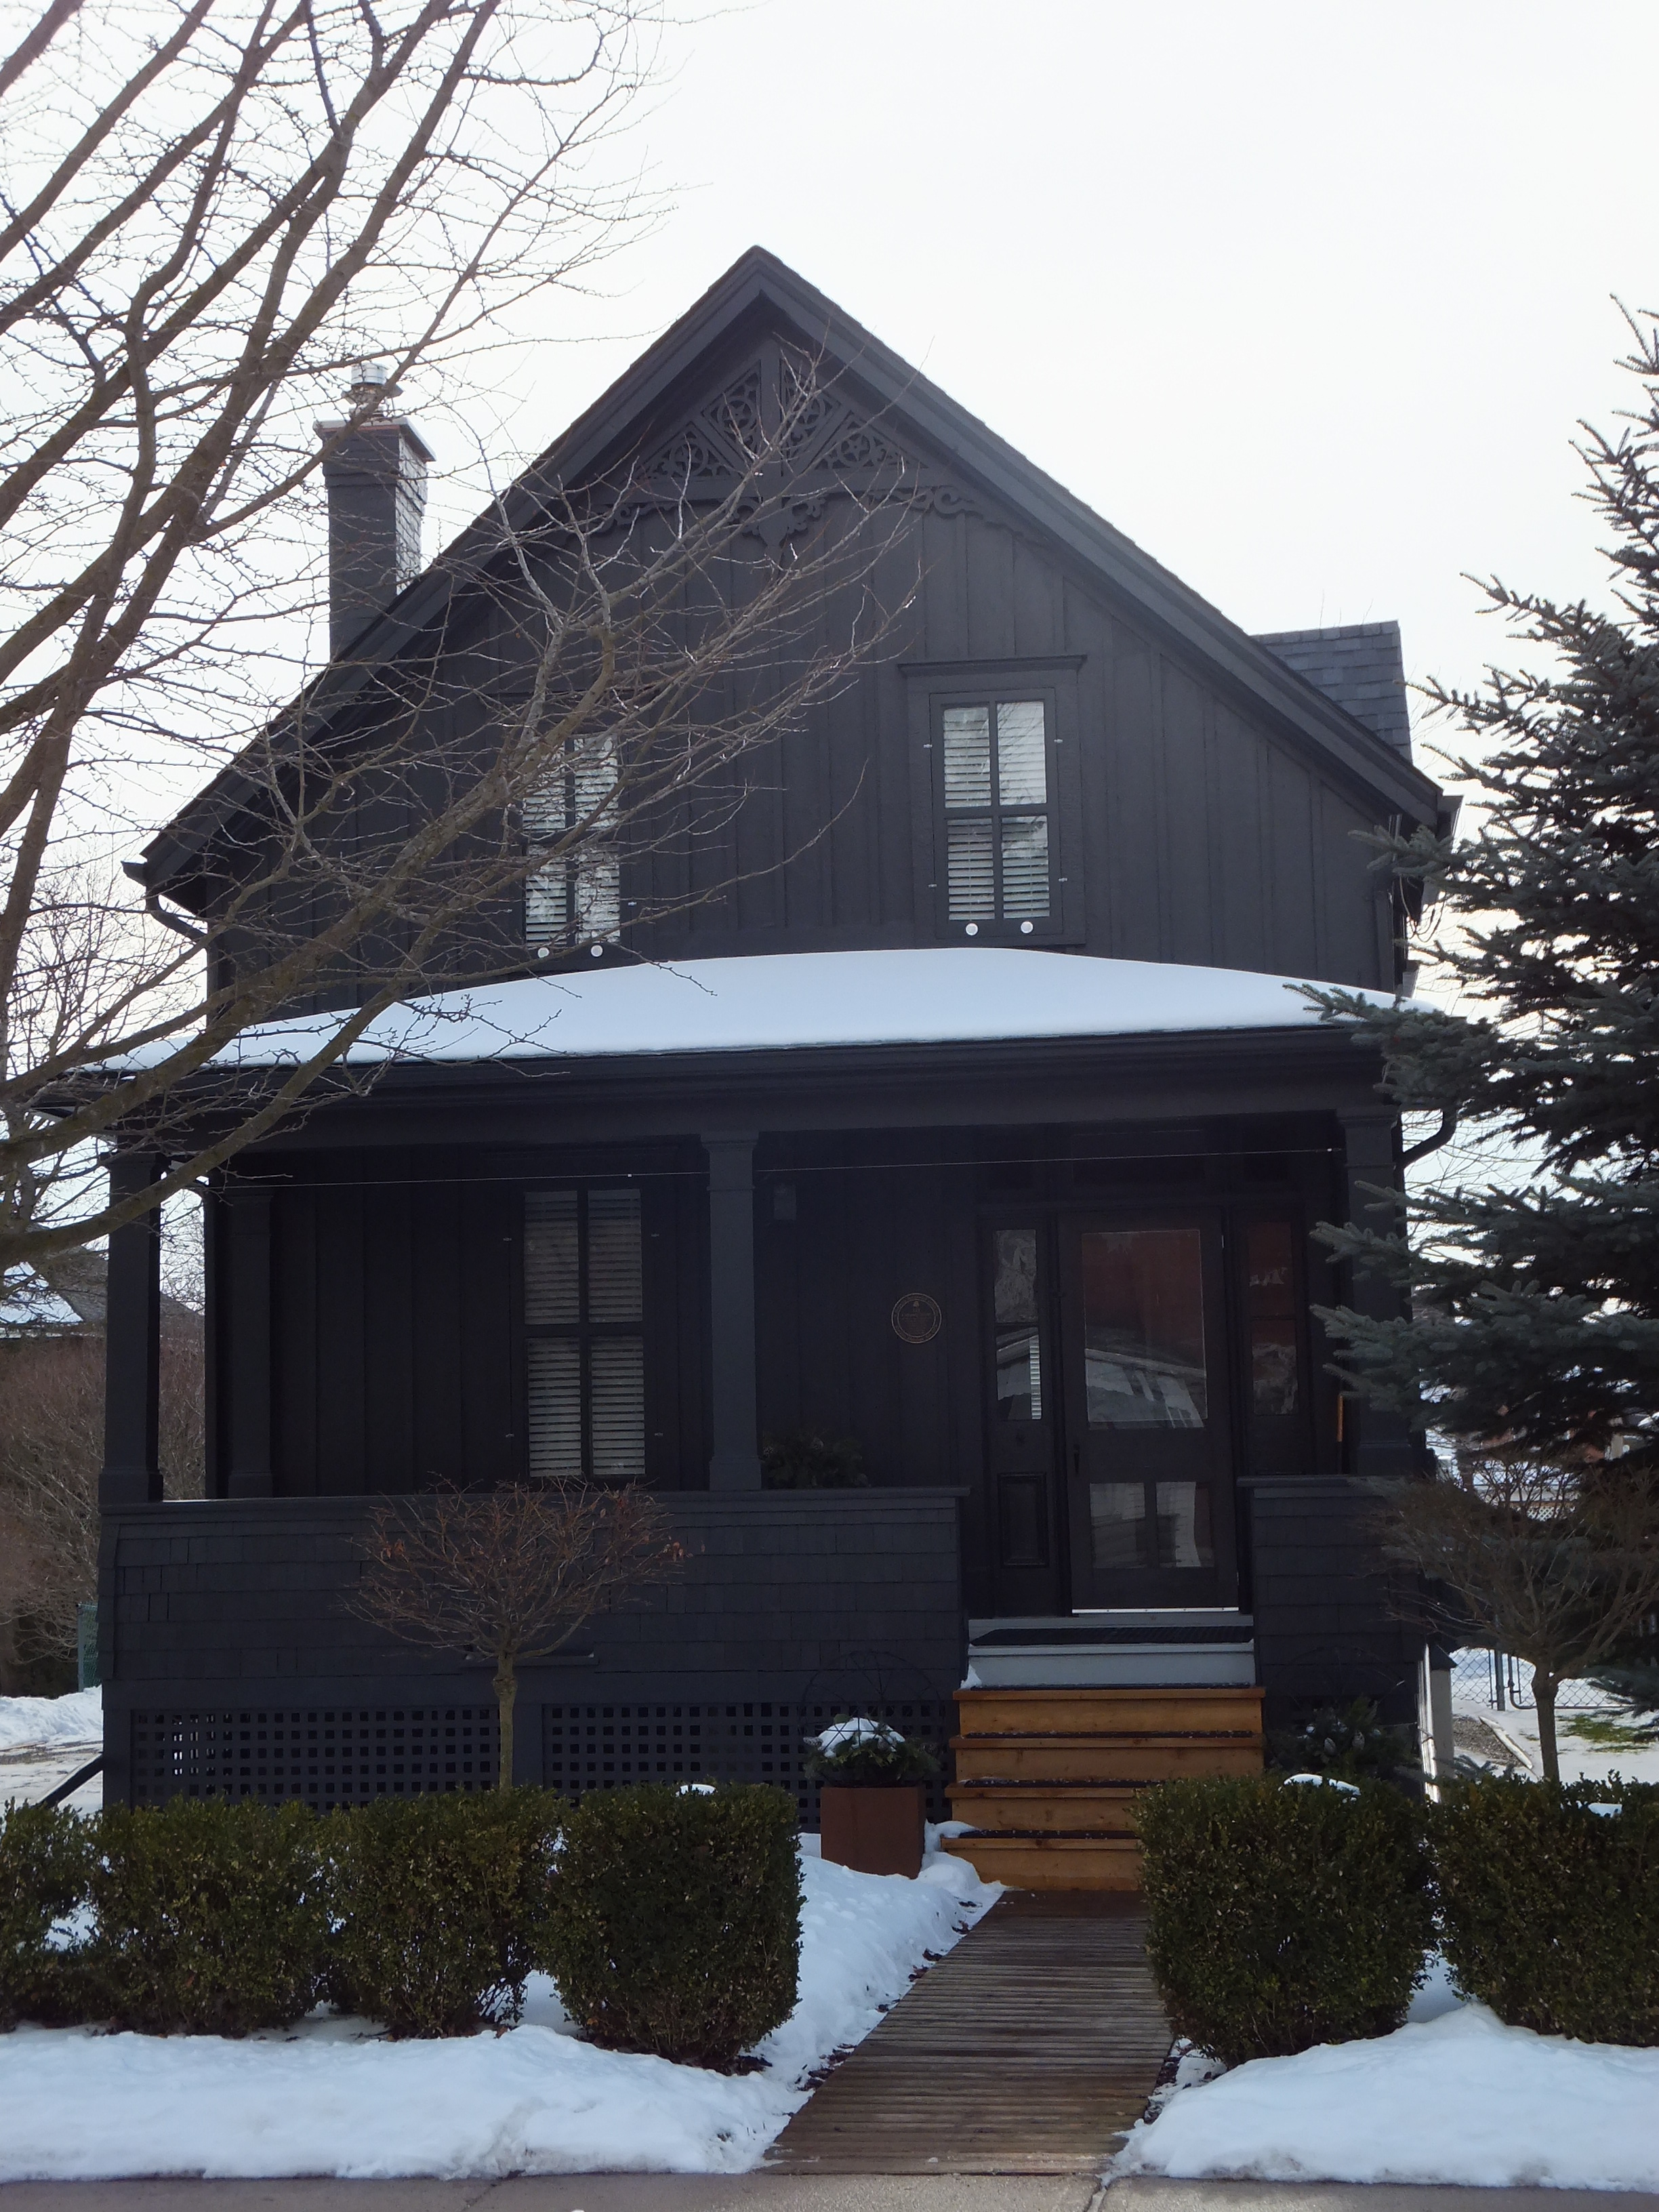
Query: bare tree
51, 1446
210, 213
509, 1575
1561, 1569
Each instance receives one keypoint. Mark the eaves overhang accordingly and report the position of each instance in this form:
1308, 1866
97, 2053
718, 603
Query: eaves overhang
549, 1100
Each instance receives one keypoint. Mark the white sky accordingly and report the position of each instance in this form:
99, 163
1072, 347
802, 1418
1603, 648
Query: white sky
1307, 299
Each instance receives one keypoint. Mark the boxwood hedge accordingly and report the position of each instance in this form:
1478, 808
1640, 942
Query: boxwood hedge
1284, 1913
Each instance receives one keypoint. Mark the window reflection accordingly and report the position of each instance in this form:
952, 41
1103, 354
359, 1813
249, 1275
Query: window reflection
1143, 1328
1270, 1302
1018, 1344
1150, 1524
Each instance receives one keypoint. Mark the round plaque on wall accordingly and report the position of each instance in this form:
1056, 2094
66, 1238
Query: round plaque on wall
916, 1318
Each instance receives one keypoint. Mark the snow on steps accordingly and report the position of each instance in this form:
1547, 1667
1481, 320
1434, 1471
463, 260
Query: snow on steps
1046, 1777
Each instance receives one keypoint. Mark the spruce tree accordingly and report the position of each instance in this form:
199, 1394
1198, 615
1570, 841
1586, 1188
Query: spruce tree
1530, 1344
1534, 1300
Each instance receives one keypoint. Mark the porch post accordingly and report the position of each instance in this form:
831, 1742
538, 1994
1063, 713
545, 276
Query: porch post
735, 1464
247, 1218
131, 1472
1375, 1443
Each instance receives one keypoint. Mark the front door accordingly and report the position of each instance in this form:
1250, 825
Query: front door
1147, 1415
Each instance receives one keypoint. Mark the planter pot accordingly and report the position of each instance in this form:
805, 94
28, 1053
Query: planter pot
873, 1827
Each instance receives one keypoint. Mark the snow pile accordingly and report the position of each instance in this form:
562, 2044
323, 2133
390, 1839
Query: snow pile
1459, 2098
843, 1735
331, 2098
32, 1723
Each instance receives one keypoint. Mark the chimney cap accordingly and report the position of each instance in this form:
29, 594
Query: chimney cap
371, 384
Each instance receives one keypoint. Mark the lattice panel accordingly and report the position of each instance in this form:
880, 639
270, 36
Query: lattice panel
321, 1758
609, 1747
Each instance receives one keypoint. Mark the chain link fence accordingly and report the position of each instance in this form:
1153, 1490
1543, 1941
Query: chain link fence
1499, 1682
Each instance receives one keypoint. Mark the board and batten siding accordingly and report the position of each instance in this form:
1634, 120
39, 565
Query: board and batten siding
1205, 835
392, 1334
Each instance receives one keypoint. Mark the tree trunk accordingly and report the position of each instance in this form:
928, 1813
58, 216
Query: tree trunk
506, 1692
1544, 1687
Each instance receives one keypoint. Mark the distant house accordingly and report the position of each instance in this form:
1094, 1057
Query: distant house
988, 1136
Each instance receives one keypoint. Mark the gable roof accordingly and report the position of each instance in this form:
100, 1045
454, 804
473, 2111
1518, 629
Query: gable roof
757, 286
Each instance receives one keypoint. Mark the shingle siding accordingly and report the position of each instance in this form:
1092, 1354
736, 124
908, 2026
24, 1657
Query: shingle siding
786, 1598
1361, 665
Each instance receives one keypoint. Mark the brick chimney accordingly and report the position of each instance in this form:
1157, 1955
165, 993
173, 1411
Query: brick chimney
376, 480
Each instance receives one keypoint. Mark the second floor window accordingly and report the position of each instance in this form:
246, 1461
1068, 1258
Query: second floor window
584, 1334
575, 896
997, 812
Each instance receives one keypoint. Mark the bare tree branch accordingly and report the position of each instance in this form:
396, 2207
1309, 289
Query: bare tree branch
509, 1575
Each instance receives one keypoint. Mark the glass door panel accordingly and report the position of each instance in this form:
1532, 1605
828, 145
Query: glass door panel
1021, 1423
1143, 1328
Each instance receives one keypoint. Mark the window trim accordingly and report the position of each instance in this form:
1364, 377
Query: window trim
930, 686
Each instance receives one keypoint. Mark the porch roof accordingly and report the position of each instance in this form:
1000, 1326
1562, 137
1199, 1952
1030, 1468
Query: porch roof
785, 1002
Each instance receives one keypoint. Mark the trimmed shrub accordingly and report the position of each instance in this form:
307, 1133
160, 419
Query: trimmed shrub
438, 1903
1550, 1909
1348, 1742
45, 1862
211, 1917
1284, 1914
676, 1919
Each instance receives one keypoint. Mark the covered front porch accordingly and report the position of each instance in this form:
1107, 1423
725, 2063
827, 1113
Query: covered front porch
1040, 1271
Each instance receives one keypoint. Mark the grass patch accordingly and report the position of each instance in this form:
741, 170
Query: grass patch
1600, 1732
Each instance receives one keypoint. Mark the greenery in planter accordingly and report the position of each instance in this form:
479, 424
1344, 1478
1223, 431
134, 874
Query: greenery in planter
439, 1904
675, 1925
803, 1460
46, 1863
1283, 1914
1348, 1741
1549, 1909
211, 1917
863, 1752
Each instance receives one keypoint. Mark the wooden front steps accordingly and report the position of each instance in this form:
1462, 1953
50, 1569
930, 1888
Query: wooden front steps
1048, 1778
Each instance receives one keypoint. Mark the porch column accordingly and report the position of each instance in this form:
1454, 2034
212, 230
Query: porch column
735, 1464
246, 1228
131, 1472
1375, 1443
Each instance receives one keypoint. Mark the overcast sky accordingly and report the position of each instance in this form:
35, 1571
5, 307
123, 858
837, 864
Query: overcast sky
1306, 299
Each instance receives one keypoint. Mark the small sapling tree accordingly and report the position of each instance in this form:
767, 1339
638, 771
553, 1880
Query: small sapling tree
1563, 1570
509, 1575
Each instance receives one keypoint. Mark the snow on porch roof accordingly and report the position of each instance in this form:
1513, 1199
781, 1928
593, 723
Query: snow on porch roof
781, 1002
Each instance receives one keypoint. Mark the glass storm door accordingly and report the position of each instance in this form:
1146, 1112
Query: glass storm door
1148, 1414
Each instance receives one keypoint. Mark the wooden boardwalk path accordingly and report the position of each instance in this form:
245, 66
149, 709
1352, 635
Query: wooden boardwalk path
1028, 2049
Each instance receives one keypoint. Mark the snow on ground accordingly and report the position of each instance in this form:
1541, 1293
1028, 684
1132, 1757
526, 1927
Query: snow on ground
333, 2097
1455, 2098
30, 1723
44, 1739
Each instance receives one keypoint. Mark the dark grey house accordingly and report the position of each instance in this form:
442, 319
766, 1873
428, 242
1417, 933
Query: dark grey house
977, 1126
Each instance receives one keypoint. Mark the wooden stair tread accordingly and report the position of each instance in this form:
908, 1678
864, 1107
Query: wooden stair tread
1126, 1739
1044, 1778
